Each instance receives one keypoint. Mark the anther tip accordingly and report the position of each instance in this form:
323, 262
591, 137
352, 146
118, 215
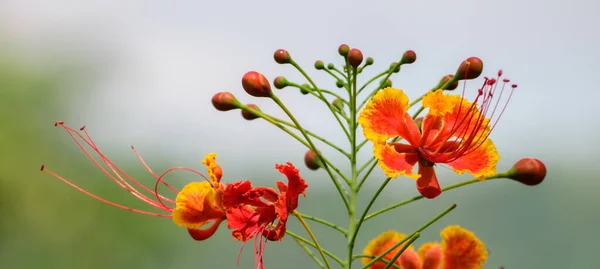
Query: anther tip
82, 128
56, 123
513, 86
42, 168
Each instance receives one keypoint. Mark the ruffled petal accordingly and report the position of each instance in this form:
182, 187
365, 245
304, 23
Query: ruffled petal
395, 163
462, 249
427, 184
480, 162
382, 243
214, 170
385, 116
196, 204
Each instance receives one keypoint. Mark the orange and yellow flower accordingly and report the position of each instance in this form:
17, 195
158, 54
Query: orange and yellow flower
459, 249
454, 132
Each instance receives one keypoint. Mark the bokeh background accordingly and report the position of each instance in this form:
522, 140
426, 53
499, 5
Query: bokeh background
143, 73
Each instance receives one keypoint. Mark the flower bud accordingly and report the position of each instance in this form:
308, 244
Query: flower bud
445, 79
280, 82
355, 57
330, 66
339, 84
303, 88
256, 84
529, 171
311, 159
408, 57
369, 61
343, 50
338, 104
395, 66
386, 83
319, 65
249, 116
469, 69
225, 101
282, 56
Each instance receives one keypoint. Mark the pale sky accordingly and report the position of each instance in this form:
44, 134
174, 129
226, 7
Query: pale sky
155, 65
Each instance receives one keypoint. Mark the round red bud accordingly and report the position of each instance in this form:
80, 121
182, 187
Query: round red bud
224, 101
447, 78
249, 116
311, 159
282, 56
256, 84
529, 171
280, 82
408, 57
343, 50
355, 57
470, 68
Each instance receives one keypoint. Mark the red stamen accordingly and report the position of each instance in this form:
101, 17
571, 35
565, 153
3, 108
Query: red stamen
120, 181
101, 199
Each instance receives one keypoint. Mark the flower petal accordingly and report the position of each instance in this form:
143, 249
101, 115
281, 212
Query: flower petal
214, 170
394, 163
196, 204
480, 162
385, 116
296, 185
431, 254
462, 249
204, 234
427, 184
410, 260
382, 243
464, 122
242, 192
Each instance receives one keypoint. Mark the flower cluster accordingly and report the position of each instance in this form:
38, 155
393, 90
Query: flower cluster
454, 132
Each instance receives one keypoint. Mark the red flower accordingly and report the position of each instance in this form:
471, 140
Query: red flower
253, 212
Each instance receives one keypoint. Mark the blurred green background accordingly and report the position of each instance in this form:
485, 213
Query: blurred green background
50, 75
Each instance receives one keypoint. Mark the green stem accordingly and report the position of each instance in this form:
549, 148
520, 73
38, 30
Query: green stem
362, 144
354, 224
369, 205
372, 257
332, 74
313, 135
312, 236
340, 72
305, 241
326, 223
314, 85
415, 233
310, 254
416, 198
312, 91
371, 80
408, 240
364, 179
312, 146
